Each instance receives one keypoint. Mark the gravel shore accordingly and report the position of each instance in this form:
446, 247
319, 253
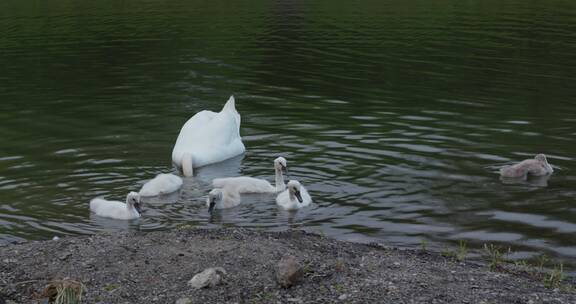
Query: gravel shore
155, 267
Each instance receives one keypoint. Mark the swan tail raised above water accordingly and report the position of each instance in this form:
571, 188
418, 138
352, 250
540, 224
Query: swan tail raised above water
230, 106
209, 138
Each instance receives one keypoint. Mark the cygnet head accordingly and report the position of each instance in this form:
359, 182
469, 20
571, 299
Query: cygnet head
214, 196
294, 189
280, 163
541, 158
133, 199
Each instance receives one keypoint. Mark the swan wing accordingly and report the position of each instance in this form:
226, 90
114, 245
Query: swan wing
306, 198
111, 209
161, 184
283, 200
244, 184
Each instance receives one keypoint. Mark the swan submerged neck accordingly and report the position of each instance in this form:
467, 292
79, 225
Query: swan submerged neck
187, 168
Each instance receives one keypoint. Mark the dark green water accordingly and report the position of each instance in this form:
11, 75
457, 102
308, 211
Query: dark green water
394, 114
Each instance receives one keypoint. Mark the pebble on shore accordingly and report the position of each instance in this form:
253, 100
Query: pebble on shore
210, 277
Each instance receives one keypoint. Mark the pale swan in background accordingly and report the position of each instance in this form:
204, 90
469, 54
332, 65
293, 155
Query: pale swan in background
207, 138
161, 184
538, 166
118, 210
222, 198
246, 184
295, 197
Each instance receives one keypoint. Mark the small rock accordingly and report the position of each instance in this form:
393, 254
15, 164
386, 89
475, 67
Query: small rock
184, 301
65, 255
288, 271
343, 297
55, 238
210, 277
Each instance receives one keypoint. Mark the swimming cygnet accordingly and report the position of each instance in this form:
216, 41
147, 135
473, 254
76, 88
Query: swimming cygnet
226, 197
161, 184
118, 210
295, 197
538, 166
245, 184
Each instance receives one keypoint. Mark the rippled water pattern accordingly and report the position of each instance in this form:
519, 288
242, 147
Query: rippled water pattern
395, 114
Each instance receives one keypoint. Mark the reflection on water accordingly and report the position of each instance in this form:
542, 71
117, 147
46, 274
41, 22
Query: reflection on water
537, 181
395, 115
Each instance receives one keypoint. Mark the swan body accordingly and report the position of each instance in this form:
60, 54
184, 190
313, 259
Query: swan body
538, 166
295, 197
117, 210
244, 184
207, 138
223, 198
161, 184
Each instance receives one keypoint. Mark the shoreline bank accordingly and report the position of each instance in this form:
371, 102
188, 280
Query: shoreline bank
155, 267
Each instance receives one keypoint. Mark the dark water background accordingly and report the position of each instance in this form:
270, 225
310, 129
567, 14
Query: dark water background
394, 114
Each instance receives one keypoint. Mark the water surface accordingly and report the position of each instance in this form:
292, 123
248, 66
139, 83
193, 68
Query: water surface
394, 114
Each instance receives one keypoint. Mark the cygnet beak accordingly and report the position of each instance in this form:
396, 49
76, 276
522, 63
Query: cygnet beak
298, 196
212, 204
138, 207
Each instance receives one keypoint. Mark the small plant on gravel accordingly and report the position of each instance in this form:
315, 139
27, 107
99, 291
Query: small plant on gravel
423, 244
339, 266
522, 264
494, 255
111, 287
307, 268
462, 251
555, 277
184, 226
541, 261
339, 288
63, 292
447, 253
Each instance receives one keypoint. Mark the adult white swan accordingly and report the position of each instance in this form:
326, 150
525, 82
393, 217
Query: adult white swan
246, 184
207, 138
118, 210
538, 166
161, 184
295, 197
222, 198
